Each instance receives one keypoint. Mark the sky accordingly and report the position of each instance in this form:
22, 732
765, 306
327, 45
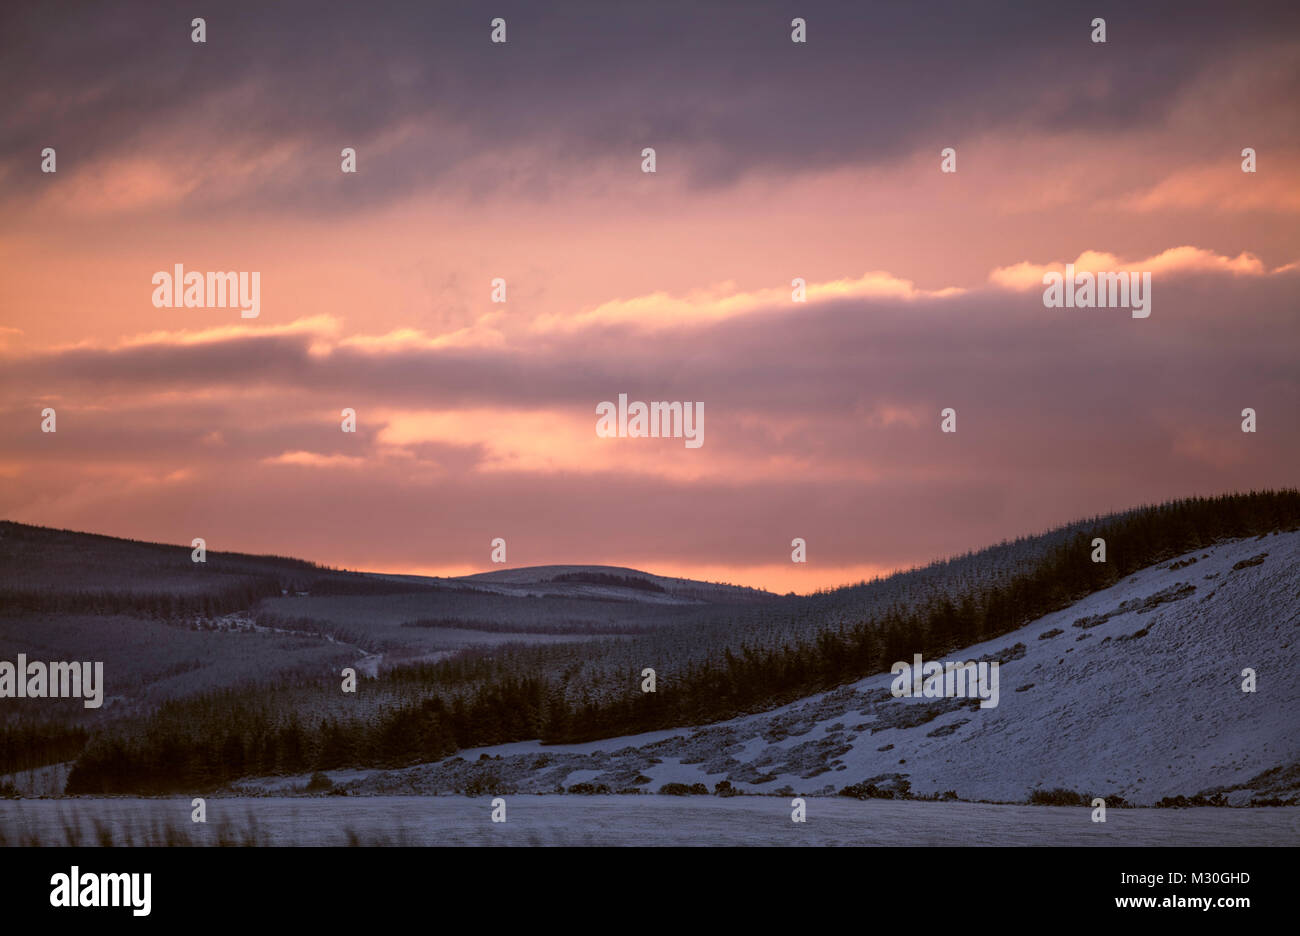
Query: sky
522, 160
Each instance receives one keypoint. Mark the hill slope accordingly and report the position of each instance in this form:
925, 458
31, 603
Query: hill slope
557, 654
1135, 691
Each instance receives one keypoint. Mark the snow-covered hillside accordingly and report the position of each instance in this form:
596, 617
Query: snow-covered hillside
1135, 691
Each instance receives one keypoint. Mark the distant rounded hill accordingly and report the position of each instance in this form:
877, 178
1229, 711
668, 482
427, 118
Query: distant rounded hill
614, 581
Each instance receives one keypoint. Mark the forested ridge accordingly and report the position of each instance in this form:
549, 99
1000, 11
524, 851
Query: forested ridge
426, 712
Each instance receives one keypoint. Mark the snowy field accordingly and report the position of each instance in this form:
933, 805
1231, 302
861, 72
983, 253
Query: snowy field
624, 820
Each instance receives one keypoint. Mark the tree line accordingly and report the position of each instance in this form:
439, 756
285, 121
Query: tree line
217, 738
226, 598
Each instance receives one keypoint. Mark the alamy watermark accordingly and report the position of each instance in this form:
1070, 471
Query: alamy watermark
87, 889
1124, 290
195, 290
36, 680
951, 680
637, 420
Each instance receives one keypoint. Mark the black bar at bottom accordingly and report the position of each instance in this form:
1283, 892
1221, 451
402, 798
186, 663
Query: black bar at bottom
362, 887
